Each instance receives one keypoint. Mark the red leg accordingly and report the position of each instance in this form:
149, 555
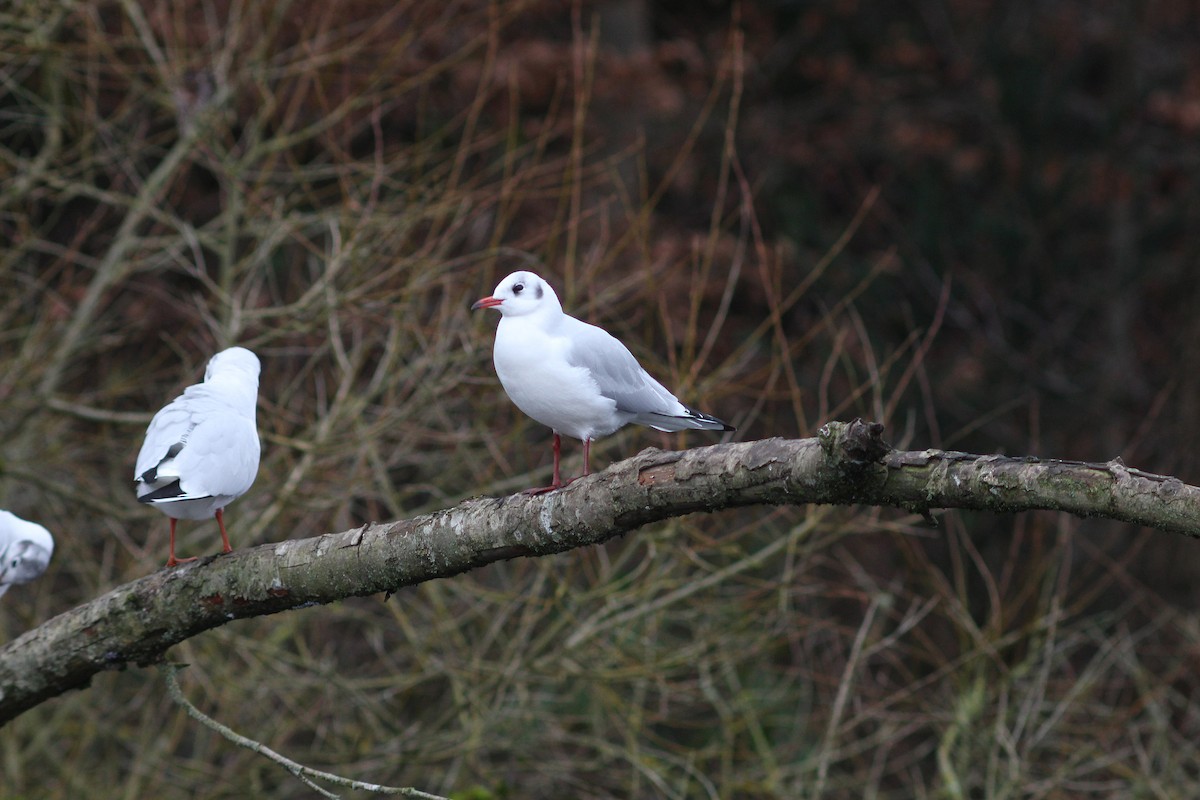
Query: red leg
557, 483
587, 453
171, 559
557, 456
224, 535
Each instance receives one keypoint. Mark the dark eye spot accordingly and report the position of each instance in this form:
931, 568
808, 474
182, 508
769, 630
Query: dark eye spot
518, 288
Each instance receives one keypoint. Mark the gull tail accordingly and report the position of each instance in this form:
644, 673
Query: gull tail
167, 493
692, 419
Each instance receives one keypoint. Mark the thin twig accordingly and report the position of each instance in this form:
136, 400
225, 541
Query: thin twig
169, 672
843, 694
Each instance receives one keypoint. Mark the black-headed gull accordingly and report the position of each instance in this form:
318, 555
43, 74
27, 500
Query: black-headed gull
25, 550
574, 377
201, 450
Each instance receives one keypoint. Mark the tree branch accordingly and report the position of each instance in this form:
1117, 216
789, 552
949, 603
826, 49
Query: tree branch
306, 775
846, 464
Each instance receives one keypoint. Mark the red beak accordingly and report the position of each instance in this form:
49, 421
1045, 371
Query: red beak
486, 302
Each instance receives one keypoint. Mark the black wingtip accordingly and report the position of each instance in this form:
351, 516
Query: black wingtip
151, 475
725, 426
167, 492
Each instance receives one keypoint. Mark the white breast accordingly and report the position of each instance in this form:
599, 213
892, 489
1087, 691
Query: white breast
535, 374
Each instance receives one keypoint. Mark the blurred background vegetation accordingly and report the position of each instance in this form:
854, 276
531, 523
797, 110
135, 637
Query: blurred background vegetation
972, 221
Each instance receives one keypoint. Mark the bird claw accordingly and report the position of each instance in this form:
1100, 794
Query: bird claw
542, 490
552, 487
174, 562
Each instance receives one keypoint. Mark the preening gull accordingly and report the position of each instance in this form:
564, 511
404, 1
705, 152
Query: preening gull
201, 450
574, 377
25, 550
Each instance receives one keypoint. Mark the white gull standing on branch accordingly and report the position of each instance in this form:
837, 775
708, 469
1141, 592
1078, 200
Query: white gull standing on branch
25, 550
574, 377
201, 450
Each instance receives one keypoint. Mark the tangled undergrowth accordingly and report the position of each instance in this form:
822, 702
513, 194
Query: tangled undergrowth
331, 185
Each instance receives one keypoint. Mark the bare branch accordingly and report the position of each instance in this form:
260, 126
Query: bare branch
846, 464
305, 774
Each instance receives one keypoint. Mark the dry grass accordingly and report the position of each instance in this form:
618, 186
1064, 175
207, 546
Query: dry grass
332, 188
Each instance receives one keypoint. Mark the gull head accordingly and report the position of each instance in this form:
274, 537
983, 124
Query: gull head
233, 359
28, 550
23, 561
519, 294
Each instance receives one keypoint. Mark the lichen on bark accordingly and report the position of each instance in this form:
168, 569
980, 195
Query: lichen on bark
847, 463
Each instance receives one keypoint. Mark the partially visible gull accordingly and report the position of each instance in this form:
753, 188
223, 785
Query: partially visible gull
25, 550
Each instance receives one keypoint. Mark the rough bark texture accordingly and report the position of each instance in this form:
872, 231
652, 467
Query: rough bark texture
847, 463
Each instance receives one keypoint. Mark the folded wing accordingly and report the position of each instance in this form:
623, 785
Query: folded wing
621, 378
196, 448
